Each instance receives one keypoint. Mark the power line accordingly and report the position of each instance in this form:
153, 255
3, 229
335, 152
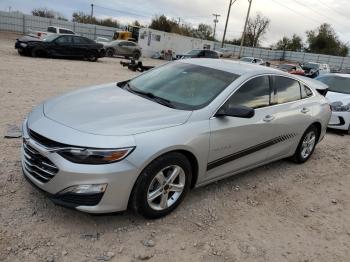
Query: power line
122, 11
322, 15
334, 10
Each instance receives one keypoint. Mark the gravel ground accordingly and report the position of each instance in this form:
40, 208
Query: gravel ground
279, 212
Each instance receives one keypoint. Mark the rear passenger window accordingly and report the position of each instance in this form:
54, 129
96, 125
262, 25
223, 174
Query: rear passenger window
255, 93
305, 91
65, 31
287, 89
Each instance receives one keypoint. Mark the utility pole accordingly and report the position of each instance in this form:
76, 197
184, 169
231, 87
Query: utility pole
228, 15
215, 21
92, 11
178, 20
244, 30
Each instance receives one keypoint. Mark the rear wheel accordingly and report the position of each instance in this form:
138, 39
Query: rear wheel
306, 145
136, 55
92, 56
162, 186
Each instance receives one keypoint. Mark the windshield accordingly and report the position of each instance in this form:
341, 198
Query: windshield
312, 65
246, 59
337, 84
185, 86
194, 52
50, 38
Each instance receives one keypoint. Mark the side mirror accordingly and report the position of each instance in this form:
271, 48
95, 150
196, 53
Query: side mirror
236, 111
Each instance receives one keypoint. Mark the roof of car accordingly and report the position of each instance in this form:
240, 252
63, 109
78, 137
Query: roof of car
235, 67
337, 74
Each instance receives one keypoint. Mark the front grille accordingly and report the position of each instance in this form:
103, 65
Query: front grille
44, 140
37, 165
73, 199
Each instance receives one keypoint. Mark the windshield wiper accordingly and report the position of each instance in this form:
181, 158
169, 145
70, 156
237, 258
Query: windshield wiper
158, 99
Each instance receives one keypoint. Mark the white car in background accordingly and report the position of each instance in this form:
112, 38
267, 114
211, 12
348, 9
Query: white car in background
252, 60
225, 53
339, 98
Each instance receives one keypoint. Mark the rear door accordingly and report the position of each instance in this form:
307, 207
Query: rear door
63, 45
80, 46
292, 114
238, 143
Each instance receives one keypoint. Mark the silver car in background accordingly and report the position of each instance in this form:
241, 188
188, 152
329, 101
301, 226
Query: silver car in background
123, 48
143, 143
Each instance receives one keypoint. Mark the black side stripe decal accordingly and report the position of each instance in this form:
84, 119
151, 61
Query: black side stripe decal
250, 150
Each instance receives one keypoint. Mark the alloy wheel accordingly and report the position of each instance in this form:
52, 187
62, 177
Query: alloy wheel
308, 144
166, 187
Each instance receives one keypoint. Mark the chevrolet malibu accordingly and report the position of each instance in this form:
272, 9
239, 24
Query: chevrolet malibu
145, 142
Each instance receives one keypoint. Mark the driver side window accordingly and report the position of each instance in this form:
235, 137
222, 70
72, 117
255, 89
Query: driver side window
255, 93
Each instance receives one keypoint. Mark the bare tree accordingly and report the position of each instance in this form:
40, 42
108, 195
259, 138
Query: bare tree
256, 28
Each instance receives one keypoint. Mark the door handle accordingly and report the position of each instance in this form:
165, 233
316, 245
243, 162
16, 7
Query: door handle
304, 110
268, 118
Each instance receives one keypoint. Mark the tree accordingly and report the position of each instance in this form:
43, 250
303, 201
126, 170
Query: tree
161, 23
293, 44
81, 17
44, 12
256, 28
324, 40
204, 31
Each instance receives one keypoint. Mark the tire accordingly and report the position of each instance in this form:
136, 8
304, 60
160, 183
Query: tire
136, 55
21, 52
110, 52
37, 52
306, 145
92, 56
155, 181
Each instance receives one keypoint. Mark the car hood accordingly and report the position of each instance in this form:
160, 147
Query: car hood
334, 97
28, 38
110, 110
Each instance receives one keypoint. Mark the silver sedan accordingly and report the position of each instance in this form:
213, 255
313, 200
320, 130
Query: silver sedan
123, 48
144, 143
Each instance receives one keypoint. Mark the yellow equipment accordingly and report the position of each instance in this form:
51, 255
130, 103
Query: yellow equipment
131, 34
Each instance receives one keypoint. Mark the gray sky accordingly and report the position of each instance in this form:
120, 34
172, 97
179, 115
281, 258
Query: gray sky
287, 16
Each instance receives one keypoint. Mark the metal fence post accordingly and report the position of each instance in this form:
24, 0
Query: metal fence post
24, 24
342, 62
95, 33
74, 27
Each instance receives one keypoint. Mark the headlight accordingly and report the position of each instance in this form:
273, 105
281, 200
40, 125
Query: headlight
95, 156
23, 44
338, 106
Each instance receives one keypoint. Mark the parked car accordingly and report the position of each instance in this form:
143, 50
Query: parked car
123, 48
102, 40
60, 46
291, 69
339, 97
252, 60
199, 53
225, 53
143, 143
315, 69
51, 30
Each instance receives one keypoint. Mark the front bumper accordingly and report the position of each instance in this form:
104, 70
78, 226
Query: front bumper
340, 120
119, 177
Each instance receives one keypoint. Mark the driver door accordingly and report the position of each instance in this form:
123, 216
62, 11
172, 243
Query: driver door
237, 143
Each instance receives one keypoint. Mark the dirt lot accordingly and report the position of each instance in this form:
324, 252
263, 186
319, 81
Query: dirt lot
279, 212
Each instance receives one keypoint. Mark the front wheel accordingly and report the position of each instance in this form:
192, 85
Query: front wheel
162, 186
110, 52
136, 55
306, 145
